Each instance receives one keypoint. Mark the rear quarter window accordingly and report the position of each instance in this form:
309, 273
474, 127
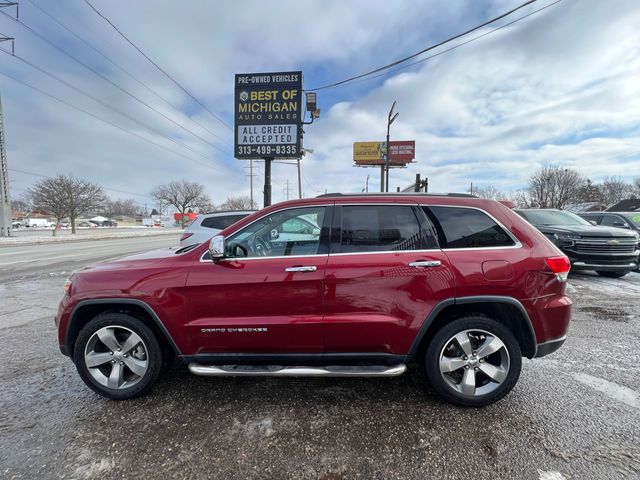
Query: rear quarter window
460, 227
220, 223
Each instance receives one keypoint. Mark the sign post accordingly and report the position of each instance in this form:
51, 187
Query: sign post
268, 119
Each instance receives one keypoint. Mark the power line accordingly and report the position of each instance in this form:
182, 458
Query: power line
422, 60
104, 104
158, 66
16, 170
106, 57
107, 79
106, 121
439, 44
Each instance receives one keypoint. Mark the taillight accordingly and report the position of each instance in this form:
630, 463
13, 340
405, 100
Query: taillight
185, 236
560, 266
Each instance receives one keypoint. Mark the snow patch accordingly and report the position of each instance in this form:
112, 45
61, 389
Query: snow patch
610, 389
550, 475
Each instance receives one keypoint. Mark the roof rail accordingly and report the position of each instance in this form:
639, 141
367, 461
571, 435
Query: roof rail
393, 194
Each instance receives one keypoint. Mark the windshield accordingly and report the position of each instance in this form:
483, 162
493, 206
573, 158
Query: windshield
552, 217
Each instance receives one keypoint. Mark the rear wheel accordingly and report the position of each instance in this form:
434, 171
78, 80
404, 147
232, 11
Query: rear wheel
118, 356
473, 361
611, 274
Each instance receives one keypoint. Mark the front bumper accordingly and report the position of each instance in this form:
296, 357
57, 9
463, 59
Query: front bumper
613, 266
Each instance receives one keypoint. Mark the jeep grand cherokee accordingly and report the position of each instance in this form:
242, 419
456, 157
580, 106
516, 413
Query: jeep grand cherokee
461, 285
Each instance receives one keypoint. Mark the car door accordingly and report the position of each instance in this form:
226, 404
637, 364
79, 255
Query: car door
384, 275
266, 294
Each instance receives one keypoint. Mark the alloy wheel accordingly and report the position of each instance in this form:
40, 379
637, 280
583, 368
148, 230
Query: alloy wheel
474, 362
116, 357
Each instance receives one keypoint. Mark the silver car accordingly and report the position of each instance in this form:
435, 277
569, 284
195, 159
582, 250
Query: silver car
209, 225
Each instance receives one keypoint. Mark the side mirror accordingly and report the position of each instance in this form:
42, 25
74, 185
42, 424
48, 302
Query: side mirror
315, 231
593, 222
216, 247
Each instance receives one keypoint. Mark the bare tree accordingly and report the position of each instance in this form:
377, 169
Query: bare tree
83, 197
614, 190
182, 195
590, 192
636, 188
490, 192
21, 205
554, 187
50, 196
237, 203
127, 207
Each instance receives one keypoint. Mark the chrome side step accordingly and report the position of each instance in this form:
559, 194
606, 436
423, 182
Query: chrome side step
296, 371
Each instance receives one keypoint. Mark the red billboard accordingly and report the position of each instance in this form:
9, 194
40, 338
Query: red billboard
374, 153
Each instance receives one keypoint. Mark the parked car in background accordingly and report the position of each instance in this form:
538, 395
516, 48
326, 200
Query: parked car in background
611, 252
16, 224
335, 286
628, 220
207, 225
103, 223
38, 222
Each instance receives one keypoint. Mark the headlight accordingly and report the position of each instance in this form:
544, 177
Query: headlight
567, 236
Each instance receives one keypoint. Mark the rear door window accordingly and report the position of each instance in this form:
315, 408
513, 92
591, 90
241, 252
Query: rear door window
460, 227
376, 228
221, 222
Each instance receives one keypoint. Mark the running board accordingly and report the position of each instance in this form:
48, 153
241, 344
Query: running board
280, 371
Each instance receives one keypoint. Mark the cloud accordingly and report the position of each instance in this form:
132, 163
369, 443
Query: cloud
559, 86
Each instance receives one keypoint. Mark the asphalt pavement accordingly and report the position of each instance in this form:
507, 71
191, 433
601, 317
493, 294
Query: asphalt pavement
573, 415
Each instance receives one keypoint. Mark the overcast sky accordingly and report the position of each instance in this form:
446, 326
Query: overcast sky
561, 86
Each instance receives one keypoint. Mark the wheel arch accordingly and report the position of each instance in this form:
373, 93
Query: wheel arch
507, 310
85, 310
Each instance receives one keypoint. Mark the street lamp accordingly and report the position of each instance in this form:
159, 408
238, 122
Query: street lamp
390, 119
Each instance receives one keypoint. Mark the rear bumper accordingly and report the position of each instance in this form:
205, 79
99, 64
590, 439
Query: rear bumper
549, 346
550, 317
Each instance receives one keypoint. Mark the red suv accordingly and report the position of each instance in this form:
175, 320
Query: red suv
335, 286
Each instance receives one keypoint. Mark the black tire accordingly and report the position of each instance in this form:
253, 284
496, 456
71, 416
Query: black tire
606, 274
442, 339
154, 355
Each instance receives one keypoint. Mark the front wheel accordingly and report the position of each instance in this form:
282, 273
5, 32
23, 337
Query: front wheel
118, 356
611, 274
473, 361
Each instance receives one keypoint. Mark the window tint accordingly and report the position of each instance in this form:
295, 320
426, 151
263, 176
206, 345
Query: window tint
222, 222
613, 221
467, 228
370, 228
289, 232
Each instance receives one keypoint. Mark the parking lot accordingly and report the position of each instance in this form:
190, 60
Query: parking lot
574, 414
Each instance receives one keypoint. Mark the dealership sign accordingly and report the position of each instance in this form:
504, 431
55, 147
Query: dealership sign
268, 115
375, 153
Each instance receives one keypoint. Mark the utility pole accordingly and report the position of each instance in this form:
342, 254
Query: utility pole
287, 189
390, 119
5, 199
299, 180
251, 179
267, 181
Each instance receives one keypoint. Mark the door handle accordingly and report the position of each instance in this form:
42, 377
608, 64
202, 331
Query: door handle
425, 263
301, 268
